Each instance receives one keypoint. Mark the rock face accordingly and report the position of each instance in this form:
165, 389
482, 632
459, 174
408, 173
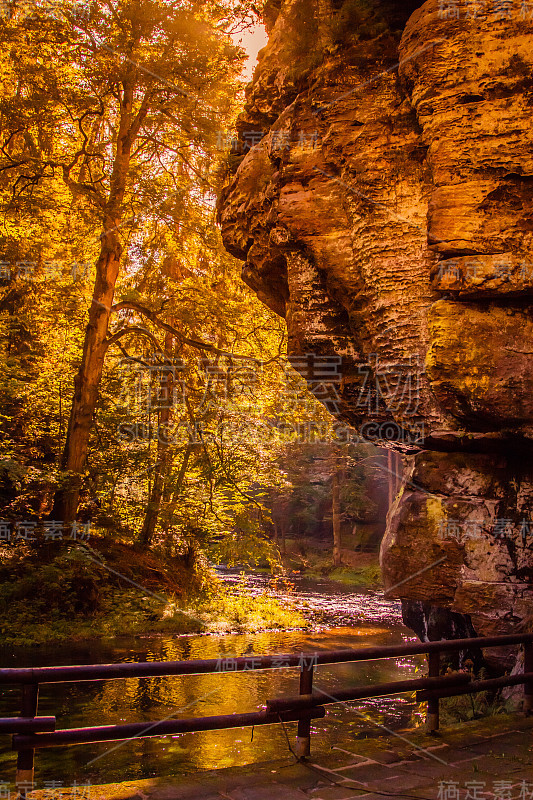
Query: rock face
382, 203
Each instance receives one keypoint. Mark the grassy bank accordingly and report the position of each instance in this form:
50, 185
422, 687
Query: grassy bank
305, 558
109, 589
365, 576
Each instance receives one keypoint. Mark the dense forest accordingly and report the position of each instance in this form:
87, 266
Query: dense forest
151, 424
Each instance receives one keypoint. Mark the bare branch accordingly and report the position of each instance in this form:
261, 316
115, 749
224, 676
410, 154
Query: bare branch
131, 305
133, 330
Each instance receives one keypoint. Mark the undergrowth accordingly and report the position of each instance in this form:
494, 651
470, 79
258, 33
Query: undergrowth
463, 708
109, 589
318, 564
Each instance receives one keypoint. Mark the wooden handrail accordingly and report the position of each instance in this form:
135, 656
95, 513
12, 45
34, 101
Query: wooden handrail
165, 727
474, 686
33, 732
26, 724
457, 679
152, 669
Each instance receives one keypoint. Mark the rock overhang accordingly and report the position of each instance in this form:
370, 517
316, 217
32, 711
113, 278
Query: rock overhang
386, 214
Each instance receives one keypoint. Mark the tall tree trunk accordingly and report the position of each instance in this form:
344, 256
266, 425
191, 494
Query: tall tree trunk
171, 508
394, 470
276, 532
336, 513
390, 475
162, 458
398, 472
87, 381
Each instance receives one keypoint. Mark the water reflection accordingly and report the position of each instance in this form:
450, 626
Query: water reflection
132, 700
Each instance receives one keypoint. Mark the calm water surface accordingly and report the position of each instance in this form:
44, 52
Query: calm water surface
344, 618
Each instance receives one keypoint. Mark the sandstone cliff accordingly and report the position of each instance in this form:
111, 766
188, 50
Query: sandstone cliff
386, 213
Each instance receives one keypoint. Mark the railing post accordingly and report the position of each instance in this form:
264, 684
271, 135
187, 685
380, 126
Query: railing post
432, 717
528, 687
303, 738
25, 758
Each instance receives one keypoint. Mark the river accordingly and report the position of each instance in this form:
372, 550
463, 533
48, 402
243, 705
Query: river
342, 617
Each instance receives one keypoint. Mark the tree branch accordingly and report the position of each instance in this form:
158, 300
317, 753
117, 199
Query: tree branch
132, 305
133, 329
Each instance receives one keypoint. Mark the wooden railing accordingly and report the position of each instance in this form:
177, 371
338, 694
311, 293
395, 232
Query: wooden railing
33, 732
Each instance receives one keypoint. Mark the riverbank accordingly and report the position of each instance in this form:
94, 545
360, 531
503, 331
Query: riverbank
109, 589
375, 621
312, 559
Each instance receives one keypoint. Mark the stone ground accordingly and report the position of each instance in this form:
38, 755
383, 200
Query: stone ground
491, 759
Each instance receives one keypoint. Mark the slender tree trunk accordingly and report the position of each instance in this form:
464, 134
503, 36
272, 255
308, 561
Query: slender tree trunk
165, 522
390, 474
87, 381
336, 514
162, 455
394, 468
179, 484
398, 472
